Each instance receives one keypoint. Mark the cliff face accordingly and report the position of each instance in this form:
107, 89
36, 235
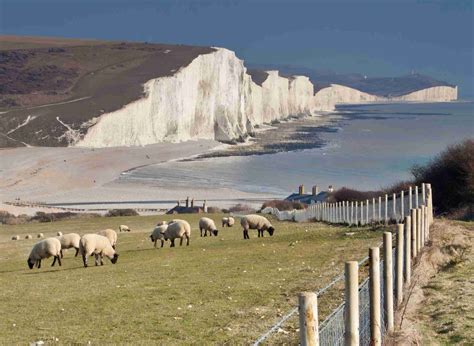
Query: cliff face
438, 94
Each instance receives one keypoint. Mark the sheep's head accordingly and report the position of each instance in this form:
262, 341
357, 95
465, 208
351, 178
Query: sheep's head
215, 232
270, 230
115, 258
30, 263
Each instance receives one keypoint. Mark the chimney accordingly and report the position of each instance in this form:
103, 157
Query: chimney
192, 203
315, 190
330, 188
187, 202
301, 190
178, 203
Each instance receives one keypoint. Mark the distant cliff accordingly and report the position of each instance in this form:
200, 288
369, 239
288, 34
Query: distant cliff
155, 93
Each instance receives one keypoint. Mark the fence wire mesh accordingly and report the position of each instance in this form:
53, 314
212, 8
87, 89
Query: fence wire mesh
331, 331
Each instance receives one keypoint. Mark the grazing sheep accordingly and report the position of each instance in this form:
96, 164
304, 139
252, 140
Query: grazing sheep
257, 222
158, 233
111, 235
228, 221
28, 236
16, 237
97, 245
59, 234
161, 223
44, 249
178, 229
40, 235
124, 228
68, 241
207, 224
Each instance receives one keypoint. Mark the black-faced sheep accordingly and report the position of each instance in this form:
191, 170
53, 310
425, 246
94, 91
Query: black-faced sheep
257, 222
228, 221
97, 245
178, 229
158, 233
68, 241
111, 235
45, 249
124, 228
207, 224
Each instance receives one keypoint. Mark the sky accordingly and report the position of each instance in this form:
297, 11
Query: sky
375, 38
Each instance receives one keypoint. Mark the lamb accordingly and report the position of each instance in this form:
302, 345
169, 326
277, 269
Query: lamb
124, 228
178, 229
207, 224
40, 235
97, 245
111, 235
68, 241
16, 237
28, 236
59, 234
257, 222
158, 233
228, 221
44, 249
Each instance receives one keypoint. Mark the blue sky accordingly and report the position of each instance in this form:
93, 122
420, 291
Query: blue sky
376, 38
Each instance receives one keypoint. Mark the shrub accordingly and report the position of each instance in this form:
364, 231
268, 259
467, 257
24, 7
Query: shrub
451, 175
51, 217
239, 208
283, 205
213, 210
346, 194
121, 212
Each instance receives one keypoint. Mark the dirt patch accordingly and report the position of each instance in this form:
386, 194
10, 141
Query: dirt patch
438, 303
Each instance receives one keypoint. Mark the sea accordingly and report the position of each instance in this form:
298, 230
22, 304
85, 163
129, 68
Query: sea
372, 146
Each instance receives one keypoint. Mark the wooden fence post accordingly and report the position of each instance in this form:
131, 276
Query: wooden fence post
375, 323
399, 264
416, 197
308, 315
418, 230
414, 233
356, 213
380, 209
351, 308
352, 213
394, 206
386, 209
373, 211
367, 203
362, 213
408, 249
423, 193
402, 206
410, 198
423, 225
388, 279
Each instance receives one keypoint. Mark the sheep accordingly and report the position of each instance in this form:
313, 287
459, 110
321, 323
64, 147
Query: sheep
16, 237
111, 235
97, 245
124, 228
44, 249
158, 233
161, 223
40, 235
68, 241
28, 236
59, 234
228, 221
207, 224
257, 222
178, 229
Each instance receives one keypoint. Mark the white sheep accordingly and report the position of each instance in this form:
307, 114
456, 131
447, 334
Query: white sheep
111, 235
124, 228
158, 233
68, 241
28, 236
59, 234
257, 222
44, 249
178, 229
207, 224
40, 235
161, 223
16, 237
228, 221
97, 245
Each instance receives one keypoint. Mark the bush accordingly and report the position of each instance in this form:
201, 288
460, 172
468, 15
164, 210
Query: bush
451, 175
213, 210
351, 195
283, 205
9, 219
50, 217
239, 208
121, 212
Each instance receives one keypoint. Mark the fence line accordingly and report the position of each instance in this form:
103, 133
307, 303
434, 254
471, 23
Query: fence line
334, 329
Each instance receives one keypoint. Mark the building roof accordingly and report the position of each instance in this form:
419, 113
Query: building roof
184, 210
308, 198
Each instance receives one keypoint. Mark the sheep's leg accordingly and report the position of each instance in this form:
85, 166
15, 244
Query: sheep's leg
187, 240
59, 261
200, 229
162, 242
77, 252
96, 259
38, 264
181, 241
84, 259
246, 234
61, 252
155, 242
172, 243
54, 261
101, 259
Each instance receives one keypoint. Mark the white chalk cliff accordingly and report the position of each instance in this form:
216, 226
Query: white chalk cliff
215, 98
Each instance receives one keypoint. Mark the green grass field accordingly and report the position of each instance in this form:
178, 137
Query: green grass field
218, 290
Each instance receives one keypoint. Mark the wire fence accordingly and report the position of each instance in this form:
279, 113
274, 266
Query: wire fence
332, 330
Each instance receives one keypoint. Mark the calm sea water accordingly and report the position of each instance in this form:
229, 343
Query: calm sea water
375, 146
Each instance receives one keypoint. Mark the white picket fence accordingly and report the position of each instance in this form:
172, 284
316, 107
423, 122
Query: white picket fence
384, 209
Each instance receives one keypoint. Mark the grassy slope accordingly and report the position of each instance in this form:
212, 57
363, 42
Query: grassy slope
220, 289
